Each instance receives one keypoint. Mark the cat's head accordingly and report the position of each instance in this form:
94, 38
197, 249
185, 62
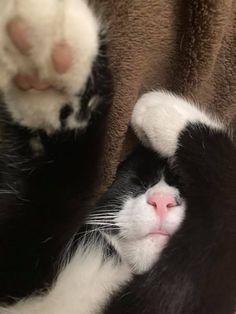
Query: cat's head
141, 210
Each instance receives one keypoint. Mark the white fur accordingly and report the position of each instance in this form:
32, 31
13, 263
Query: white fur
159, 117
87, 282
138, 219
49, 22
83, 287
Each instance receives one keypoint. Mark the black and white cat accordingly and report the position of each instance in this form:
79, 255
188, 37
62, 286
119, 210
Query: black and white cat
53, 63
195, 273
161, 240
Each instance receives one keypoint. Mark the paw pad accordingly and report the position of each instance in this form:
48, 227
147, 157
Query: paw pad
47, 51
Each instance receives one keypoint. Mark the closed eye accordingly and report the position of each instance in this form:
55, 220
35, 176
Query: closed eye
137, 181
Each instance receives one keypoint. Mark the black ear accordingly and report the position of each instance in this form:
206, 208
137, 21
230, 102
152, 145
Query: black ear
140, 155
124, 165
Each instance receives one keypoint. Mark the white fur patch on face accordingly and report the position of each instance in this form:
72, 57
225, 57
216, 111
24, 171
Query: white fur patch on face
49, 22
83, 287
137, 242
159, 117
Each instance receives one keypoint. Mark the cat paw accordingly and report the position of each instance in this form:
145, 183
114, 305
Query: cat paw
47, 51
159, 117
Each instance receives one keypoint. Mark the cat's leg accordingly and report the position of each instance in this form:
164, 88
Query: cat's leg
40, 210
159, 118
204, 159
47, 51
84, 286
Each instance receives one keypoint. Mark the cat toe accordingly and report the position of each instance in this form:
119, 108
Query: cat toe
62, 58
47, 52
17, 31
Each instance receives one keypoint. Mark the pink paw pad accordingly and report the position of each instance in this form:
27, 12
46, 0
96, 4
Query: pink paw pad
61, 56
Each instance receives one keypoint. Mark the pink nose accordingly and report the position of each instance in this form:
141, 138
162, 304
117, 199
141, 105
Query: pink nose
161, 203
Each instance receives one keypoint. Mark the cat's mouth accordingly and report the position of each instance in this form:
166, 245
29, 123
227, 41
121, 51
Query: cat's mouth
159, 233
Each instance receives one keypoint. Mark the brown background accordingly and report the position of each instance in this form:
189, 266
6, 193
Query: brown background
186, 46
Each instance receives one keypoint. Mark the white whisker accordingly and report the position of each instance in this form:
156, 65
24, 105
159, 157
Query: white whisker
102, 215
102, 218
95, 222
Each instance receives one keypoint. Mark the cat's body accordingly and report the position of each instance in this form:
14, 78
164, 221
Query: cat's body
196, 273
161, 240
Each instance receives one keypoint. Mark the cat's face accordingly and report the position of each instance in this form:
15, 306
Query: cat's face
142, 209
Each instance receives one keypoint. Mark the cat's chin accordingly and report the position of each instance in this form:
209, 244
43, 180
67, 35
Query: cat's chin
143, 253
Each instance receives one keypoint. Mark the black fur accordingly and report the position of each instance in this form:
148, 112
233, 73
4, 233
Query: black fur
40, 210
99, 84
40, 205
39, 217
65, 112
196, 273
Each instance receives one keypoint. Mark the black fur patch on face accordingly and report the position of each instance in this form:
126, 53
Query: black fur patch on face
142, 170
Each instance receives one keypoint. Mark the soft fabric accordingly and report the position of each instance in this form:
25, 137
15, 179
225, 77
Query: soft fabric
188, 47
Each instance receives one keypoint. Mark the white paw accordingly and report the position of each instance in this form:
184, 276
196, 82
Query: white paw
159, 117
47, 50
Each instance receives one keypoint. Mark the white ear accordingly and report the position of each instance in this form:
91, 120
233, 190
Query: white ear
159, 117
